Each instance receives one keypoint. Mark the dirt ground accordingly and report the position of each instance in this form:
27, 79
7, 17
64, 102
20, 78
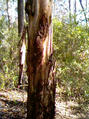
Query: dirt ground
13, 106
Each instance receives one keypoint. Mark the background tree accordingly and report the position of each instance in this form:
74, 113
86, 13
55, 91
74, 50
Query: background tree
83, 11
75, 11
7, 4
86, 5
22, 34
20, 16
69, 10
40, 66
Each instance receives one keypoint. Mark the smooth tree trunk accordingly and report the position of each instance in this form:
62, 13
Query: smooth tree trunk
7, 4
22, 34
75, 11
20, 16
69, 10
40, 63
75, 7
86, 5
85, 15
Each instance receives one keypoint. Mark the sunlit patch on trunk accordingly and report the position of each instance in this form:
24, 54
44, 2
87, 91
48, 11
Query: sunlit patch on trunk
23, 51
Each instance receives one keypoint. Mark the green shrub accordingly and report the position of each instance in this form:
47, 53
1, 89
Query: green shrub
71, 44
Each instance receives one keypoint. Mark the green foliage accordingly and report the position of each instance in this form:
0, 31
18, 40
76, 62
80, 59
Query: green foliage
8, 55
71, 44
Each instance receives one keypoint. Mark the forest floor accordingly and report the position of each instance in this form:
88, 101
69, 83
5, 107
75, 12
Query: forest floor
13, 106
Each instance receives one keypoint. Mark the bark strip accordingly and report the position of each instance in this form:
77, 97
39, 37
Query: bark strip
22, 56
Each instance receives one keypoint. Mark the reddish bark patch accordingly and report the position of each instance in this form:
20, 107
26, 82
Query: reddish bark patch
40, 38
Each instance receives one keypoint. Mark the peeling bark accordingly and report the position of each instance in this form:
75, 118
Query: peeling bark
22, 56
40, 66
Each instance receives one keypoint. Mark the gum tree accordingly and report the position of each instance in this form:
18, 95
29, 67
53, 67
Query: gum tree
40, 63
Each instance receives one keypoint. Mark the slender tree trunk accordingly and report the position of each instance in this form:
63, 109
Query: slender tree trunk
83, 11
70, 10
21, 32
86, 5
86, 13
20, 16
7, 4
40, 65
75, 11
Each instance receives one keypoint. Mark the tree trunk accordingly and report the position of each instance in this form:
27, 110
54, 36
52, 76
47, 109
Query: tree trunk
40, 65
69, 10
83, 11
7, 4
75, 11
86, 5
20, 16
21, 33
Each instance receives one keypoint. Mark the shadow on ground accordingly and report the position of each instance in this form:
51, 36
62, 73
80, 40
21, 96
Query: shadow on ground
71, 109
82, 110
11, 109
13, 106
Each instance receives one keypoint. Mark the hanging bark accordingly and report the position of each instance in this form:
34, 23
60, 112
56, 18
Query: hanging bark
22, 56
40, 64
